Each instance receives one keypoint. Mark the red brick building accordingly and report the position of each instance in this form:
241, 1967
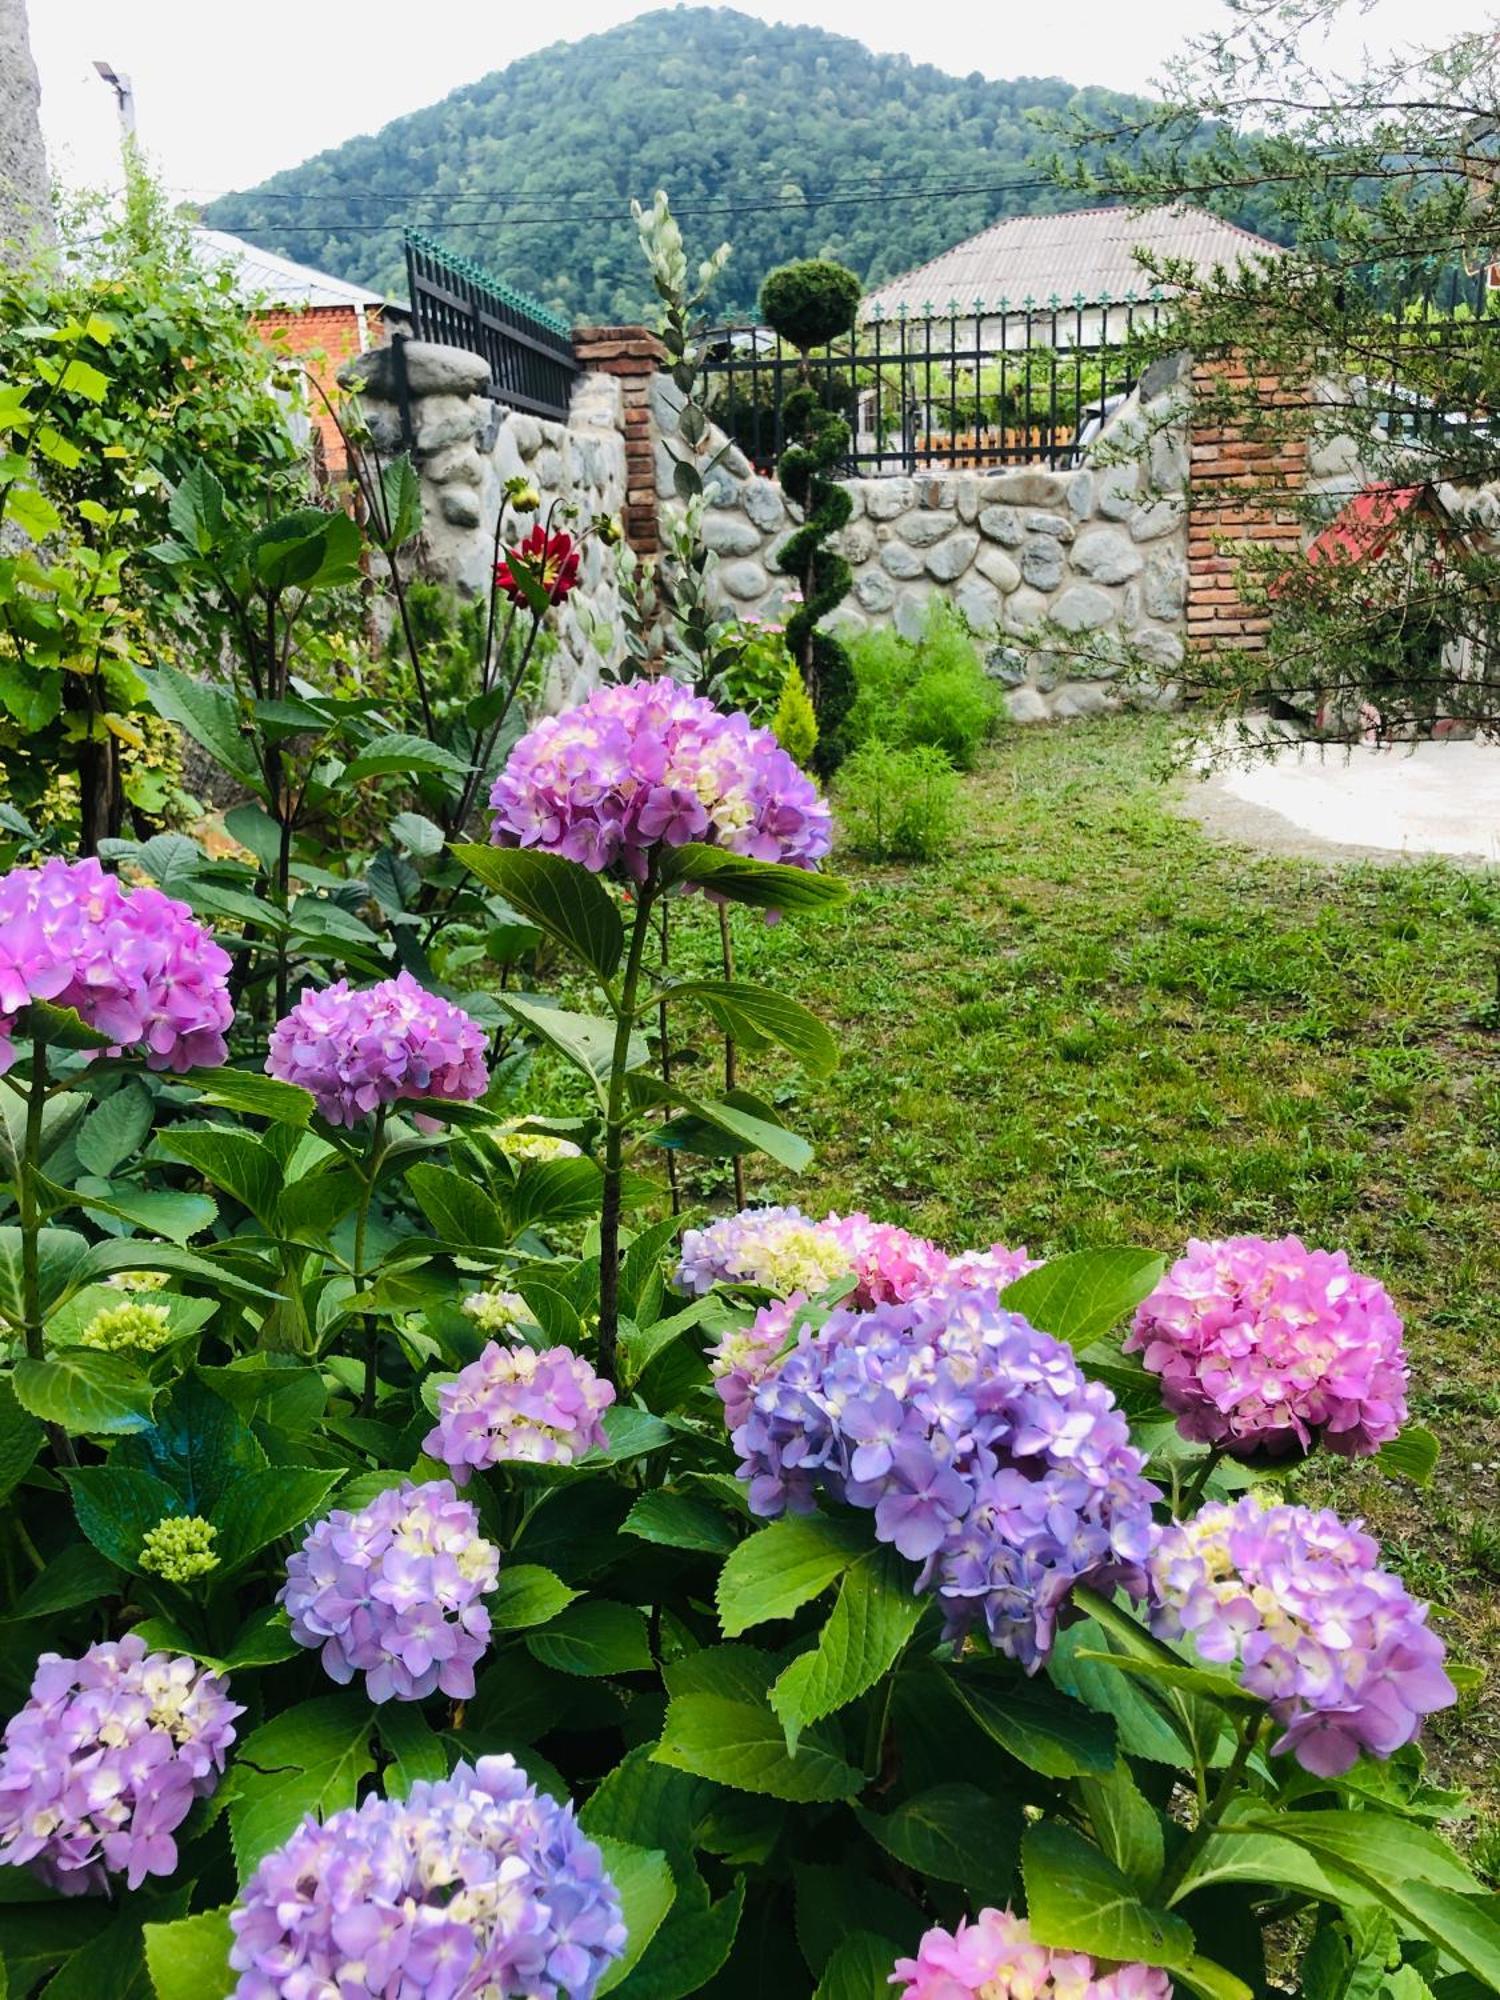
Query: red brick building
322, 319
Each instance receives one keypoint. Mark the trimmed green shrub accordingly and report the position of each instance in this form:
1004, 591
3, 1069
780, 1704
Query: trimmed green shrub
794, 725
898, 804
811, 302
932, 692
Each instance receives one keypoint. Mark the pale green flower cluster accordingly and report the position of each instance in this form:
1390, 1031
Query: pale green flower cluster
517, 1145
133, 1327
179, 1548
496, 1312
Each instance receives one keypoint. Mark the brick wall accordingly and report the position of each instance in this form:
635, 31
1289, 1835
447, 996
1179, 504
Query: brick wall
1243, 492
632, 354
324, 338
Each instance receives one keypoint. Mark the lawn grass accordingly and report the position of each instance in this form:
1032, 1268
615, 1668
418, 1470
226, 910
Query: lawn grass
1093, 1024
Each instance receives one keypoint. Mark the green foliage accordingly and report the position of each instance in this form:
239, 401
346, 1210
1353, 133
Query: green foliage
105, 351
810, 303
898, 805
794, 112
930, 691
795, 725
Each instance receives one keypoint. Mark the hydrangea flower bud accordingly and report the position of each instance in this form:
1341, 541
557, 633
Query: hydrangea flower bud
496, 1312
179, 1548
519, 1145
103, 1763
520, 1405
648, 764
1274, 1347
471, 1885
131, 1328
395, 1591
994, 1957
1327, 1638
385, 1044
135, 964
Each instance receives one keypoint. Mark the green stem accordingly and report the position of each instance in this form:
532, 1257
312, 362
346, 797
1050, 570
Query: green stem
880, 1716
614, 1137
731, 1052
1212, 1813
1201, 1477
361, 1225
29, 1202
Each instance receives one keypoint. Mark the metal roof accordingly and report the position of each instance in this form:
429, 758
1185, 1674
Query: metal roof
277, 281
1084, 254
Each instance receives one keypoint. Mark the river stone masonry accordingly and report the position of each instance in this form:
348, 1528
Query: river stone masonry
1067, 578
465, 447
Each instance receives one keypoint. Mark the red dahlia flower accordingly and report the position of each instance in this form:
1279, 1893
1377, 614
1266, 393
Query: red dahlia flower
549, 562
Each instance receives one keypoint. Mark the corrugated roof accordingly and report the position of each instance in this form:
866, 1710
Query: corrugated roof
1086, 252
277, 280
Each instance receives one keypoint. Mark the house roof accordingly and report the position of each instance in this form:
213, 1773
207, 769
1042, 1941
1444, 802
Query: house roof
1085, 253
262, 275
1366, 525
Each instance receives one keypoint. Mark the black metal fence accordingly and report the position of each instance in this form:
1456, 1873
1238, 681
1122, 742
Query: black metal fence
457, 303
970, 387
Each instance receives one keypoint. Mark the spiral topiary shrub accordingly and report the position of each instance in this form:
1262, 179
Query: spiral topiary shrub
809, 304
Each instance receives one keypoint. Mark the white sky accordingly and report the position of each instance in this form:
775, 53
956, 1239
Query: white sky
227, 94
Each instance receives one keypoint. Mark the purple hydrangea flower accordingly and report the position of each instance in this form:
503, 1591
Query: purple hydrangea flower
741, 1358
982, 1449
474, 1884
395, 1592
1326, 1637
781, 1250
515, 1404
1271, 1346
647, 764
385, 1044
100, 1767
135, 964
994, 1957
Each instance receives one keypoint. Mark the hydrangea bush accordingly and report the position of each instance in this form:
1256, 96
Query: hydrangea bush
436, 1564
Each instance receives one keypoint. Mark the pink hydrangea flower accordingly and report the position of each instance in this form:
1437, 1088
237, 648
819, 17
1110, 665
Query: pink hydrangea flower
104, 1762
1271, 1346
515, 1404
386, 1044
1331, 1641
136, 964
474, 1884
994, 1957
649, 764
395, 1591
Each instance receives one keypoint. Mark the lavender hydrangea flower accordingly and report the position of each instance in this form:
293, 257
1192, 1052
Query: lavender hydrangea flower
136, 964
1327, 1638
395, 1592
474, 1884
1271, 1346
515, 1404
981, 1448
994, 1957
781, 1250
648, 764
744, 1356
101, 1766
358, 1050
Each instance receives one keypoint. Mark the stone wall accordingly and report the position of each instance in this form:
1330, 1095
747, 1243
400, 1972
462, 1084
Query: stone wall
1060, 574
466, 446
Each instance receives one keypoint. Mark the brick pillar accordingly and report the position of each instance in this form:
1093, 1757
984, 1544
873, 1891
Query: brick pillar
1242, 490
632, 354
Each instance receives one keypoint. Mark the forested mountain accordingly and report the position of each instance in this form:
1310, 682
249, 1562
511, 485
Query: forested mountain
790, 142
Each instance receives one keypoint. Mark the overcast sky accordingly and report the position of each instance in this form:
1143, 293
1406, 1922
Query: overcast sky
221, 106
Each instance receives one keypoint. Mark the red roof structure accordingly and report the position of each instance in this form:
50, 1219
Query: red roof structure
1367, 525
